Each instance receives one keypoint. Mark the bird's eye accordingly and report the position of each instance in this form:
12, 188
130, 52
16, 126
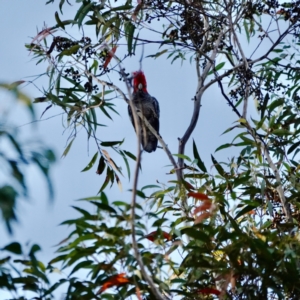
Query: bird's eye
140, 86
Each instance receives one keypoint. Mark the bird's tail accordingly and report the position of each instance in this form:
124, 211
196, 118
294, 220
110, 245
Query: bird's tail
149, 142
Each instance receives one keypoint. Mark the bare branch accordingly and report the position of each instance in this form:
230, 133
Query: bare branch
161, 141
137, 255
197, 104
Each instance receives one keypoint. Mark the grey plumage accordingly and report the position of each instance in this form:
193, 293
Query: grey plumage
149, 107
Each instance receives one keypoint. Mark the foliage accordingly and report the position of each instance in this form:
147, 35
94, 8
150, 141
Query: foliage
232, 234
15, 157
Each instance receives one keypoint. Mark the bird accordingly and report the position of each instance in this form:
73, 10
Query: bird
149, 107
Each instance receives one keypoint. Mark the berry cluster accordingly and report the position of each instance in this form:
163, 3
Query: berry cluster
86, 51
63, 43
73, 73
89, 87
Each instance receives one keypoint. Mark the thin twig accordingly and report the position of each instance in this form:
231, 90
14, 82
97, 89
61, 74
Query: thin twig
137, 254
228, 100
246, 65
161, 141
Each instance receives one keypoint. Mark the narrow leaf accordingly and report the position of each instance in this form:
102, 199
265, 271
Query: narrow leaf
129, 31
14, 248
58, 21
218, 167
91, 163
67, 148
101, 165
200, 163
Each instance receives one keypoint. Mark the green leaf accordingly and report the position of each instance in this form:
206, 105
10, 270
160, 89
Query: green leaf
108, 178
82, 211
139, 193
83, 11
293, 147
111, 144
58, 21
245, 210
277, 50
275, 103
14, 248
246, 30
234, 224
129, 154
224, 146
101, 166
91, 163
200, 163
34, 248
159, 222
217, 68
94, 67
4, 260
61, 3
94, 119
156, 55
8, 197
68, 148
196, 234
72, 50
104, 198
183, 156
105, 112
230, 129
261, 123
122, 7
39, 159
129, 31
18, 175
218, 167
86, 264
264, 105
270, 207
103, 206
266, 224
126, 164
19, 95
281, 132
151, 186
15, 144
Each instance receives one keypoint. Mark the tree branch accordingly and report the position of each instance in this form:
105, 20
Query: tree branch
197, 105
161, 141
137, 255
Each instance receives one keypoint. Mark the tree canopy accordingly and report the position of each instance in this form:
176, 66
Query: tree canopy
218, 229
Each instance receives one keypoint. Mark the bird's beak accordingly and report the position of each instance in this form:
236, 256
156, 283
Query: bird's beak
140, 86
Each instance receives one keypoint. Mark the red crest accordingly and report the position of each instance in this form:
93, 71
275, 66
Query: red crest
139, 79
